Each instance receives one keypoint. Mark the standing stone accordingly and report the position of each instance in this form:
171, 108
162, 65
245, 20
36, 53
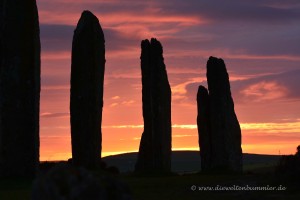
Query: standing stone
155, 147
225, 128
224, 131
19, 88
203, 123
87, 76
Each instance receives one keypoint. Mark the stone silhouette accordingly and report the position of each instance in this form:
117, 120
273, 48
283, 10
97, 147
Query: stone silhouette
203, 123
87, 77
218, 125
19, 88
155, 146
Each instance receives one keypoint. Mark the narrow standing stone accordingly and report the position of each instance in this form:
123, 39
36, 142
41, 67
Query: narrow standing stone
19, 88
87, 77
222, 127
155, 147
225, 128
204, 132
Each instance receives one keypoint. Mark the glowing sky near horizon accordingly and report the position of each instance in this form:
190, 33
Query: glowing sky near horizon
258, 39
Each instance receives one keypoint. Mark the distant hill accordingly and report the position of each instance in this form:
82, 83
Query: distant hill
188, 161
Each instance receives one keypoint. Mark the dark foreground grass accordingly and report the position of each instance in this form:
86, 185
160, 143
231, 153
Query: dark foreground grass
181, 187
191, 187
11, 189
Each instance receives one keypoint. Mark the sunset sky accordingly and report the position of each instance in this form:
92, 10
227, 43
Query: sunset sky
259, 41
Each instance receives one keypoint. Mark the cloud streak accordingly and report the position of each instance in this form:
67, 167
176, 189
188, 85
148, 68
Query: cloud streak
54, 115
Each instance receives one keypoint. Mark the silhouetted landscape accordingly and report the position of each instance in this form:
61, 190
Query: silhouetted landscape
117, 173
219, 169
190, 162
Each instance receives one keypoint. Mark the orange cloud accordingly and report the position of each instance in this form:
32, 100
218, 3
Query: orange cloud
115, 97
288, 127
113, 105
128, 103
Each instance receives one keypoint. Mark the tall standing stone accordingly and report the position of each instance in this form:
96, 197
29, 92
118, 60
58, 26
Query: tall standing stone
223, 127
19, 88
155, 146
87, 77
203, 123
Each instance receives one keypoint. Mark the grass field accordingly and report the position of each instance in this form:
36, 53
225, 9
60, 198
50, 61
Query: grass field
258, 172
15, 189
181, 187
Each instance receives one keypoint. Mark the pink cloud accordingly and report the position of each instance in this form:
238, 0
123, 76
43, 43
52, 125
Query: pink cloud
264, 91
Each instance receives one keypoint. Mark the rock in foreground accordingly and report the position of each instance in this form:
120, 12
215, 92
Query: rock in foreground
73, 183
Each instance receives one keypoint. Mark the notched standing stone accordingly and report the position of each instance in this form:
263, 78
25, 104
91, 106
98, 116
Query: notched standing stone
87, 76
221, 130
19, 88
204, 132
225, 128
155, 146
